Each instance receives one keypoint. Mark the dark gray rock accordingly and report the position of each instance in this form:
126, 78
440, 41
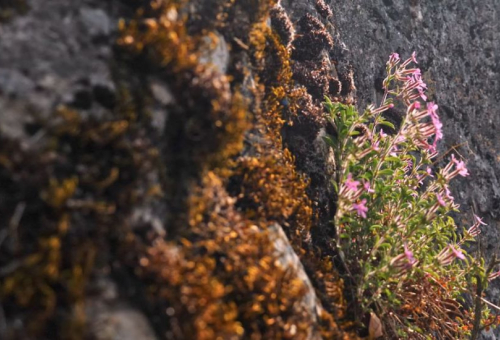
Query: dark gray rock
95, 21
46, 59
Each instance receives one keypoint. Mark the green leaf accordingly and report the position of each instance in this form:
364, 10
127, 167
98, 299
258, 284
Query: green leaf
385, 246
331, 141
387, 123
385, 172
335, 186
393, 159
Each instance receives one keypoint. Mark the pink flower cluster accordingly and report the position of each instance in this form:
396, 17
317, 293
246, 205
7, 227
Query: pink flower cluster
412, 90
450, 253
460, 169
444, 199
476, 227
405, 261
352, 191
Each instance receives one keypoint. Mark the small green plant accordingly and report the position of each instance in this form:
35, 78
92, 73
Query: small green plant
402, 253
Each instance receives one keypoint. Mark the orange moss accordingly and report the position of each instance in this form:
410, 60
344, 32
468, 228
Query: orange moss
223, 280
57, 203
207, 106
215, 273
272, 190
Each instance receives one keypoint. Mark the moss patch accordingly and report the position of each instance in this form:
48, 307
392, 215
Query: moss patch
220, 170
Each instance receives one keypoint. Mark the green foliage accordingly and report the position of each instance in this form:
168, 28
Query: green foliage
394, 233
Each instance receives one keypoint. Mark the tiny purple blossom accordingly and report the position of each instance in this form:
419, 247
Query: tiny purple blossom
416, 105
440, 200
400, 139
351, 184
413, 57
422, 95
457, 253
429, 172
393, 151
409, 255
479, 220
367, 187
360, 208
382, 134
431, 109
394, 58
493, 275
462, 170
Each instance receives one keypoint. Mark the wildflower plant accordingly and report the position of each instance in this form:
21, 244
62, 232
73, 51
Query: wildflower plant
403, 254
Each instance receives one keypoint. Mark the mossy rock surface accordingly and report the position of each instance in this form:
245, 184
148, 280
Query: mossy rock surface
151, 173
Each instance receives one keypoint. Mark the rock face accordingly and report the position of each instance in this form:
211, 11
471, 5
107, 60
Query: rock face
56, 53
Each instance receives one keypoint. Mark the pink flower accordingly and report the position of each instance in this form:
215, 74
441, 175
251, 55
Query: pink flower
462, 170
393, 151
403, 262
408, 166
414, 81
413, 57
479, 220
457, 253
422, 95
366, 185
351, 184
382, 134
400, 139
429, 172
493, 275
474, 230
360, 208
375, 146
394, 58
416, 105
448, 254
409, 256
431, 109
440, 200
476, 227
